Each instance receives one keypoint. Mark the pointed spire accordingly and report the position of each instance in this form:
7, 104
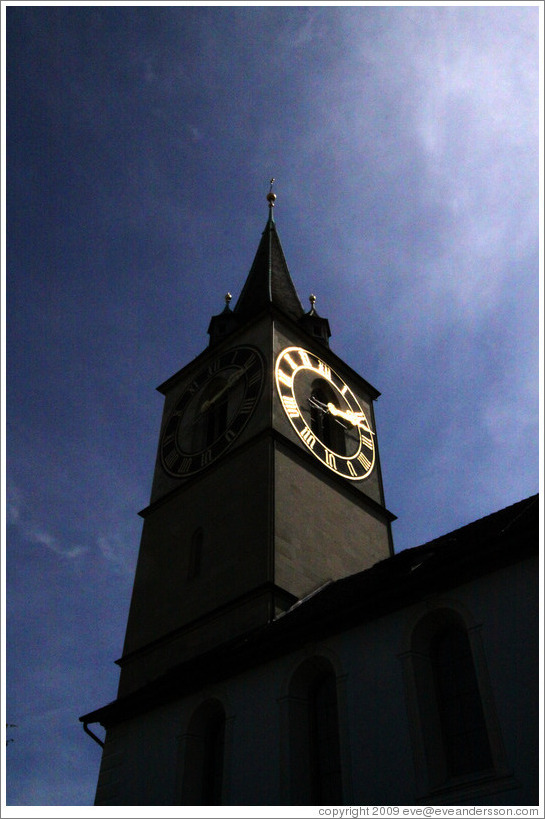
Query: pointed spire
269, 281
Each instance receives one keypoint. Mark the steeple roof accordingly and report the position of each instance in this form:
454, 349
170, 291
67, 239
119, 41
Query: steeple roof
269, 280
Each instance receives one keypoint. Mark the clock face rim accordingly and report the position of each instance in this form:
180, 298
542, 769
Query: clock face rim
354, 467
181, 463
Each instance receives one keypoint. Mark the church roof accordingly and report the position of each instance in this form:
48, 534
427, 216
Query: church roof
495, 541
474, 550
269, 280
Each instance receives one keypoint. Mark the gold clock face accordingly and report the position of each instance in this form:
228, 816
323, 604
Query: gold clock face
212, 411
325, 413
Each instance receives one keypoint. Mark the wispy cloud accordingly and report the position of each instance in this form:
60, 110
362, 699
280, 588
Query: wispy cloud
35, 532
116, 547
43, 538
119, 550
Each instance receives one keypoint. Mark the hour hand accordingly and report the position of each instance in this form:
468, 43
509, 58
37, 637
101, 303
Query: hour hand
209, 401
356, 419
233, 378
319, 405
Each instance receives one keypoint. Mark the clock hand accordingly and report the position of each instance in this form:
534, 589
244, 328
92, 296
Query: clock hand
325, 408
349, 416
318, 404
233, 378
357, 419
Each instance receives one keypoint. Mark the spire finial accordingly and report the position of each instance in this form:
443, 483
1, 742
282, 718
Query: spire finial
271, 196
312, 300
228, 298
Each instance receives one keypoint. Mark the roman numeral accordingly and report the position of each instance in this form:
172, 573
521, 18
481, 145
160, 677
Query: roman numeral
309, 438
254, 379
330, 459
368, 442
290, 405
305, 359
206, 457
246, 406
250, 361
344, 390
290, 361
324, 370
170, 458
285, 379
365, 462
351, 469
184, 466
230, 435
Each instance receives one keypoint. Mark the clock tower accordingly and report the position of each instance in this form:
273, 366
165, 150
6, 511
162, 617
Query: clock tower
267, 482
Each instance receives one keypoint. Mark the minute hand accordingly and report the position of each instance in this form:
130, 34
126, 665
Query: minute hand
357, 419
233, 378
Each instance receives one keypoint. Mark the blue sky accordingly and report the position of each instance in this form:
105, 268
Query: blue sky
139, 146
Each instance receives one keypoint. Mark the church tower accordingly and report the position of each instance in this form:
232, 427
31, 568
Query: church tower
267, 482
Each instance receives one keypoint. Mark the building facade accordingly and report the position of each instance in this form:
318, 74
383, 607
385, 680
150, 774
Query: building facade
277, 651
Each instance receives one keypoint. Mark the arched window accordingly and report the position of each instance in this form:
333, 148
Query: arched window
212, 768
202, 780
463, 727
327, 427
314, 752
324, 740
452, 719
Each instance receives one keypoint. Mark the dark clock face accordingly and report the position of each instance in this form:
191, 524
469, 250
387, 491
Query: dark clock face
212, 411
325, 413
